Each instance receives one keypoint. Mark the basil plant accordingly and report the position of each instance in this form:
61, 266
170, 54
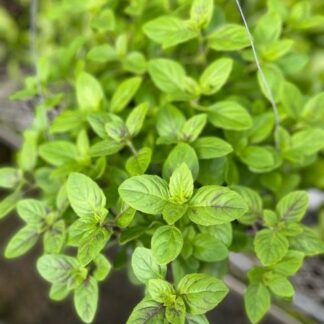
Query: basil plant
158, 136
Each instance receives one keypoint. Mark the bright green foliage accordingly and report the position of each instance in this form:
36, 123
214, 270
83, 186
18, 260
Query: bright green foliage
157, 137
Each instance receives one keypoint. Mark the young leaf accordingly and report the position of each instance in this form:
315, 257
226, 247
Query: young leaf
145, 267
211, 147
201, 292
102, 53
292, 99
116, 128
147, 309
8, 203
166, 244
146, 193
138, 164
103, 267
270, 246
124, 94
169, 31
104, 21
136, 118
58, 292
176, 312
229, 115
9, 177
89, 92
85, 196
201, 12
229, 37
213, 205
293, 206
167, 75
161, 291
86, 299
21, 242
54, 237
182, 153
257, 301
181, 184
193, 127
268, 28
215, 76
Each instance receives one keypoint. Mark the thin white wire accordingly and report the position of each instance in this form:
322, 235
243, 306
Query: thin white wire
263, 77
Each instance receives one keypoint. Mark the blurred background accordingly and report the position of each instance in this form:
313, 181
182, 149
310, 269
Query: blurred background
23, 294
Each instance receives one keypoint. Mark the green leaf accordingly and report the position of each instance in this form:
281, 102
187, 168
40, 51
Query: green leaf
21, 242
146, 193
85, 299
176, 312
56, 268
291, 99
138, 164
105, 148
166, 244
181, 184
125, 214
260, 159
31, 211
312, 111
28, 154
257, 301
215, 76
254, 203
182, 153
213, 205
147, 311
279, 285
66, 121
85, 196
229, 37
92, 244
168, 75
307, 242
172, 212
9, 177
270, 246
58, 153
262, 127
124, 94
161, 291
103, 267
145, 267
54, 237
201, 12
196, 319
229, 115
135, 62
211, 147
193, 127
104, 21
208, 248
274, 77
58, 292
8, 203
293, 206
201, 292
102, 53
136, 118
89, 92
290, 264
268, 28
169, 31
116, 128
